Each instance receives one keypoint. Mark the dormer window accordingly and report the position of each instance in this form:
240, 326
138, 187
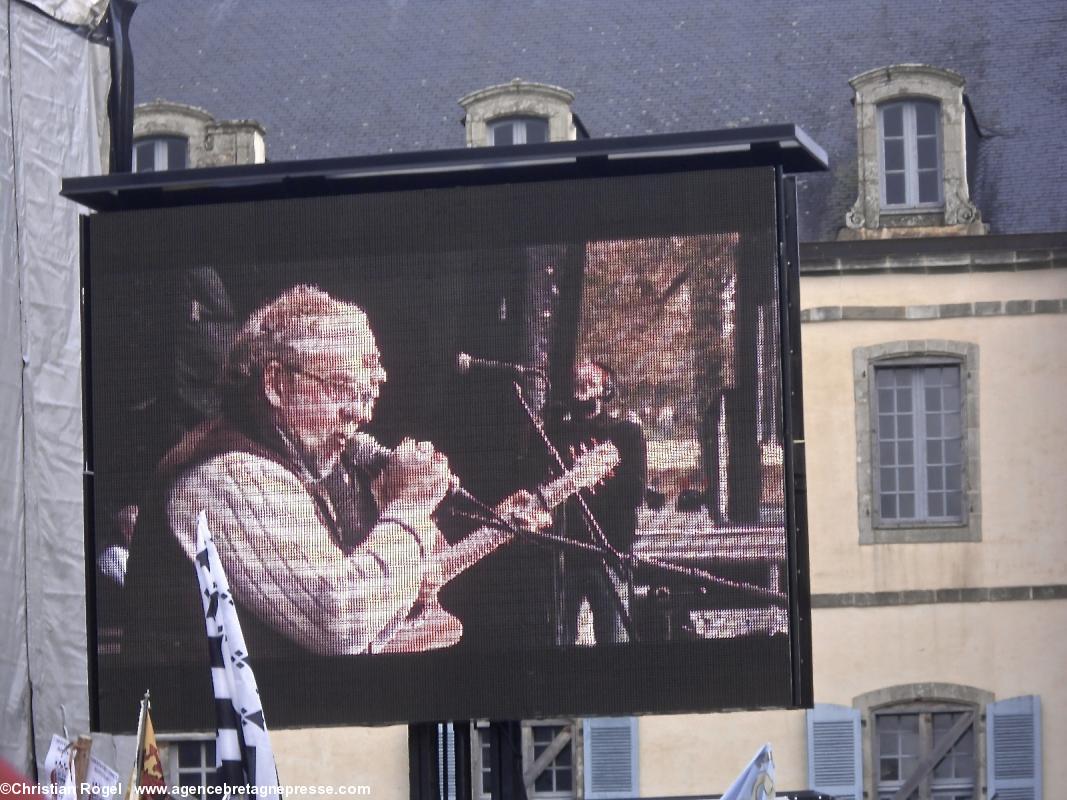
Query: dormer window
519, 112
178, 136
911, 154
518, 130
159, 153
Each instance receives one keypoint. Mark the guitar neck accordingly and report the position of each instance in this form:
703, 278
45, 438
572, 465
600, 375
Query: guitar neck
473, 548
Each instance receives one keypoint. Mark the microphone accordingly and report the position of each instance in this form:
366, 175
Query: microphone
466, 362
363, 450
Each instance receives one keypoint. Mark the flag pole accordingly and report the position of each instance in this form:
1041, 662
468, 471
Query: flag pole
138, 753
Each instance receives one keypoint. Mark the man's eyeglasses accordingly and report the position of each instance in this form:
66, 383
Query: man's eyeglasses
337, 389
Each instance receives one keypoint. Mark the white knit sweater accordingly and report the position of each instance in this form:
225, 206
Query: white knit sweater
284, 566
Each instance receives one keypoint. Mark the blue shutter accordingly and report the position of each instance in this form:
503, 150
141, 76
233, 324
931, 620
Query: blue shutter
835, 766
609, 748
1013, 748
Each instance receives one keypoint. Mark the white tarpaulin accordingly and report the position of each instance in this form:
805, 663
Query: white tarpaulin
53, 86
88, 13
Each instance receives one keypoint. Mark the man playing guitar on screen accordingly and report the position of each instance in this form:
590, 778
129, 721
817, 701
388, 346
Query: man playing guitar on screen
328, 540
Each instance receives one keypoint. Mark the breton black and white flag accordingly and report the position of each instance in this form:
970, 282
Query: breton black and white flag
243, 756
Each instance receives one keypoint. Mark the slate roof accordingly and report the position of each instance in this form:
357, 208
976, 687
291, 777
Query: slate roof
352, 77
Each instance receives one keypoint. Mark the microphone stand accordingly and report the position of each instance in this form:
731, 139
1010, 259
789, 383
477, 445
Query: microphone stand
600, 543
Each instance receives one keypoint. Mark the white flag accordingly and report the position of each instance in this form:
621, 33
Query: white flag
243, 756
756, 782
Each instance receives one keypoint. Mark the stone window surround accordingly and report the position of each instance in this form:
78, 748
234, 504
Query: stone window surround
518, 98
902, 352
212, 142
901, 82
920, 695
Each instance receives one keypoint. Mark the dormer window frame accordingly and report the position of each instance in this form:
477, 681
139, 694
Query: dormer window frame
954, 212
911, 165
520, 127
518, 99
163, 149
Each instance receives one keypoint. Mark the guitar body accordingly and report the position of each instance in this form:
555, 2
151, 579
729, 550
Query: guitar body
428, 626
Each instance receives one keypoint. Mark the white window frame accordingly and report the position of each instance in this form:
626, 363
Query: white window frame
518, 125
865, 361
920, 439
160, 151
911, 155
174, 770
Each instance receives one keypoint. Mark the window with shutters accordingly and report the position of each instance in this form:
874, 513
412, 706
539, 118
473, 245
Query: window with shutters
926, 741
916, 425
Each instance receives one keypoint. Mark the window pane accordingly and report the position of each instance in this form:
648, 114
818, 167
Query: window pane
907, 480
933, 456
894, 155
890, 770
894, 189
544, 782
189, 754
889, 479
907, 506
563, 780
886, 453
936, 503
934, 479
886, 426
145, 156
883, 378
175, 154
953, 452
893, 120
927, 151
503, 133
929, 187
904, 427
889, 506
926, 118
933, 424
905, 452
904, 399
885, 399
536, 131
933, 398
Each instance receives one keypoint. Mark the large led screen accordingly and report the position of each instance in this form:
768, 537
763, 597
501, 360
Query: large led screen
487, 451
